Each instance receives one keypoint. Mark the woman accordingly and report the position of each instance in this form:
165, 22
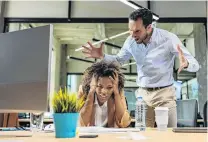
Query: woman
105, 104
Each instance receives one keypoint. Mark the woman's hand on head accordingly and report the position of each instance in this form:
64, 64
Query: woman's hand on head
93, 83
115, 81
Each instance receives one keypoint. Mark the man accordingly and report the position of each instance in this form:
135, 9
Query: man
154, 51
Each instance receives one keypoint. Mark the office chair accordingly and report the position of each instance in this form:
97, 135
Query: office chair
205, 114
187, 113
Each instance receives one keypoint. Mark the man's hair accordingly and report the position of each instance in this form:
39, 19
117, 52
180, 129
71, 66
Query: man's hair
102, 69
143, 13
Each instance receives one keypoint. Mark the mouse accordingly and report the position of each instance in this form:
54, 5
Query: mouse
49, 128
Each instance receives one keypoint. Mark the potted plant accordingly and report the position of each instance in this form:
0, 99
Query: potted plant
65, 107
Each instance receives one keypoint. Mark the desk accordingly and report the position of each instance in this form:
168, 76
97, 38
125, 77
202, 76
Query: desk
152, 134
50, 120
46, 120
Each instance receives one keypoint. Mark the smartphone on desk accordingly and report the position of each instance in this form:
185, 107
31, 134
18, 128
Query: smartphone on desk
88, 136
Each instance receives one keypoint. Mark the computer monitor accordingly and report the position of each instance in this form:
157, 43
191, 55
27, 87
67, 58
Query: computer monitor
25, 69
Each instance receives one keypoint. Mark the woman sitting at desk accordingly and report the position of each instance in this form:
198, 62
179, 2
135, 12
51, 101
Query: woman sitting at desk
105, 104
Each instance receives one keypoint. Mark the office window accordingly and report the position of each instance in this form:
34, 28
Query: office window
73, 82
130, 97
69, 82
191, 89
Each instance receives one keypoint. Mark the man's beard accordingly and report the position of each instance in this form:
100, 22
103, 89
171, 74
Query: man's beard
142, 41
145, 38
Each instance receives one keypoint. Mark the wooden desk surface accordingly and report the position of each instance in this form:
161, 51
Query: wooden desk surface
152, 136
49, 120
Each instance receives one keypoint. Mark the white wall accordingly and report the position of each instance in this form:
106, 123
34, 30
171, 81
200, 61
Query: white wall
57, 67
101, 9
98, 9
190, 46
36, 9
55, 70
117, 9
179, 8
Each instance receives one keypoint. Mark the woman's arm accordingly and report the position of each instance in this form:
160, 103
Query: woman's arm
122, 115
86, 110
120, 109
123, 118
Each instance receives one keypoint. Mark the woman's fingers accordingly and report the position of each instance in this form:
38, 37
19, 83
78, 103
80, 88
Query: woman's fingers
111, 78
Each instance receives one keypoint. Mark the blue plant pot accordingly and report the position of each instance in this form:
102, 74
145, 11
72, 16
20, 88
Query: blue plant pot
65, 124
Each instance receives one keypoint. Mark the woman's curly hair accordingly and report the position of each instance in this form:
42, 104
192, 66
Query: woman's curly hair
102, 69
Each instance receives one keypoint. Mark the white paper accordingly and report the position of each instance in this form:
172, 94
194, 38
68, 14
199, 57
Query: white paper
98, 130
136, 136
133, 136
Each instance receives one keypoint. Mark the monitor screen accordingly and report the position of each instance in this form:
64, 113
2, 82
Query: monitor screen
25, 62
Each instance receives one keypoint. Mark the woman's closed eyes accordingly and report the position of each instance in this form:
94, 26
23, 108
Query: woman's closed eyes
108, 88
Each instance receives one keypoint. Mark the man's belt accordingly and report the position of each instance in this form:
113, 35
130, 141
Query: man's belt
154, 88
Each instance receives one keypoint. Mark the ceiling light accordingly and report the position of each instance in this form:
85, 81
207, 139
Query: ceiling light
136, 6
130, 4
